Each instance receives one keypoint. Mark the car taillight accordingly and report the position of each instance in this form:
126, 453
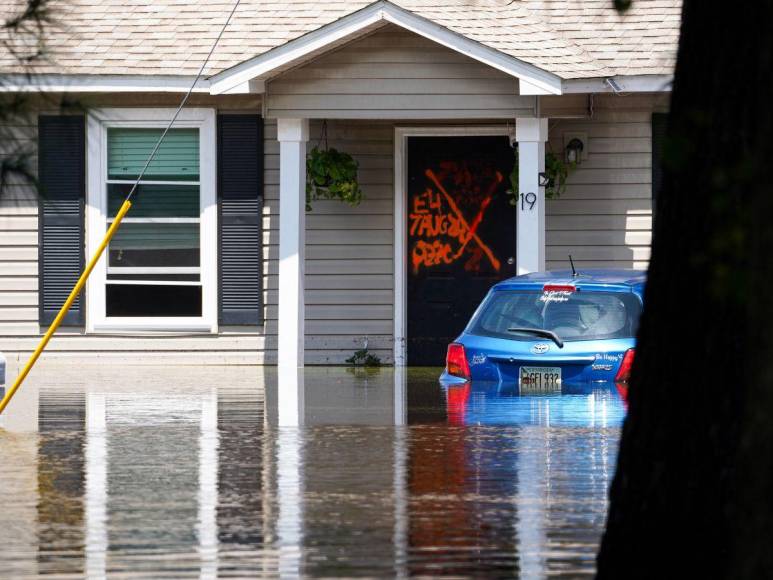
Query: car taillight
456, 361
624, 373
558, 288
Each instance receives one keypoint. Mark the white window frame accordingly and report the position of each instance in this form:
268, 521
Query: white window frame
400, 328
99, 121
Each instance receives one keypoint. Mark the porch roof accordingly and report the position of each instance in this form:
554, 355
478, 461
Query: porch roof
564, 38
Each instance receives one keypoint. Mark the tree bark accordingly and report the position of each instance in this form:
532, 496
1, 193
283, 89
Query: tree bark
693, 491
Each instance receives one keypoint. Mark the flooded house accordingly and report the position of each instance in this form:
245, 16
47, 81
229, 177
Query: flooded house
451, 110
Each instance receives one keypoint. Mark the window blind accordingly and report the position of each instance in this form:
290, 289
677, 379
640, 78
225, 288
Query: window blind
177, 158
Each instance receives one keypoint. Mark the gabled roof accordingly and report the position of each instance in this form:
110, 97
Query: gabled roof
480, 36
567, 39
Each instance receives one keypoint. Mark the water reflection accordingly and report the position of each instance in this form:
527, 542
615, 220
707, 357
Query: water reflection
590, 406
61, 479
212, 472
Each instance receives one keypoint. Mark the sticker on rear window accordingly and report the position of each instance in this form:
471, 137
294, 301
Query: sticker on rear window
555, 296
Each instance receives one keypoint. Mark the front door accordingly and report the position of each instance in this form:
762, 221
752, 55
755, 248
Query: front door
461, 235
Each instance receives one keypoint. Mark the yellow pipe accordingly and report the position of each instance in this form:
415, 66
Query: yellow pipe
66, 306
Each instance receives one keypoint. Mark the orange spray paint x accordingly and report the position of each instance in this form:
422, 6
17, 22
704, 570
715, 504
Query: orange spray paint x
472, 235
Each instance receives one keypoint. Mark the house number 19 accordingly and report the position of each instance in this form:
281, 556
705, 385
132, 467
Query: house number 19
528, 200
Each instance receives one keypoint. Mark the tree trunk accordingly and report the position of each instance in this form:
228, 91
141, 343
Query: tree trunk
693, 491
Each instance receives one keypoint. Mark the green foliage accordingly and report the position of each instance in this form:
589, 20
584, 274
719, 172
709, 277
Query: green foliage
556, 171
331, 174
513, 191
364, 358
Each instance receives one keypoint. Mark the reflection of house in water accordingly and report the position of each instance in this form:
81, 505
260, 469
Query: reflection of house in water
61, 512
122, 477
160, 490
245, 485
175, 474
462, 483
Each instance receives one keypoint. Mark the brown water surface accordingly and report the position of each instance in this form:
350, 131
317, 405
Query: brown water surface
218, 472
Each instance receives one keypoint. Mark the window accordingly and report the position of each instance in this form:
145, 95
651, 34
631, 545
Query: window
581, 316
159, 271
153, 265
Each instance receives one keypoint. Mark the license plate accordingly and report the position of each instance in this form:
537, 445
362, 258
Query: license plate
540, 379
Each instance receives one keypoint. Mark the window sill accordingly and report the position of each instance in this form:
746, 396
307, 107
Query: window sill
162, 326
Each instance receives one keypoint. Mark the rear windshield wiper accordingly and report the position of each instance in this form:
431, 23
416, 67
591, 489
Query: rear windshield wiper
539, 332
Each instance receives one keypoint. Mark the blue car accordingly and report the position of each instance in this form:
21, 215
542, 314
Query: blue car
548, 329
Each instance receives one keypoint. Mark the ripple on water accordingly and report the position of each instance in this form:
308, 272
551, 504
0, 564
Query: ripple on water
184, 472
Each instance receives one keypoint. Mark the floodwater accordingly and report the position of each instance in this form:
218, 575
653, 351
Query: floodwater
216, 472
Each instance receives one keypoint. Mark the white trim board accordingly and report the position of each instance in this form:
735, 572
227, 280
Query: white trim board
99, 120
401, 215
534, 80
85, 83
627, 84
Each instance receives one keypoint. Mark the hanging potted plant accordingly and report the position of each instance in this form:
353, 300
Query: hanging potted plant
331, 174
556, 174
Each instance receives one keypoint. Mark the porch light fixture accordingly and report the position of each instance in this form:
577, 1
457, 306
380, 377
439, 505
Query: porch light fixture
574, 151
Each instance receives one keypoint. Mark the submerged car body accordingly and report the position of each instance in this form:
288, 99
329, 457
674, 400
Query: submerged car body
548, 329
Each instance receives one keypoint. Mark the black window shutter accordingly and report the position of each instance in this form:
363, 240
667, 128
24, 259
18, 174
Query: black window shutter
240, 206
61, 175
659, 124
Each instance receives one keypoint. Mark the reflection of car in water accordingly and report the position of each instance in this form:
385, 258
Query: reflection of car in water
486, 403
544, 330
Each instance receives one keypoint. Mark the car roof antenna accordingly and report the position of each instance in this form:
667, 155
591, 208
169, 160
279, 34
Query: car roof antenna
574, 272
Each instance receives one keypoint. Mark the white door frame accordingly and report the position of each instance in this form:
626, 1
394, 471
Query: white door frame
401, 215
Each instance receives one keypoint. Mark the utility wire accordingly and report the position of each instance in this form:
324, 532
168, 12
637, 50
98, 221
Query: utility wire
182, 103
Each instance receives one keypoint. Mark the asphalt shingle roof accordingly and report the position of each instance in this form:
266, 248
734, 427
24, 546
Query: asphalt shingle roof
570, 38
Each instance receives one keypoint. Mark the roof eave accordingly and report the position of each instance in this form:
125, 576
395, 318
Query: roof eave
83, 83
654, 83
533, 80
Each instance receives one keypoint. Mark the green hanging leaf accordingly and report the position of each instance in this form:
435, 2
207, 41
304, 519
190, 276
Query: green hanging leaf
556, 172
331, 174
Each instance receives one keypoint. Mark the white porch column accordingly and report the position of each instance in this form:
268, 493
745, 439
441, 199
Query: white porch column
292, 135
531, 135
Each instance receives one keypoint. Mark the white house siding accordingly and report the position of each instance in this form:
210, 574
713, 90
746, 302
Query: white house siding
349, 267
349, 250
395, 74
19, 240
19, 329
604, 219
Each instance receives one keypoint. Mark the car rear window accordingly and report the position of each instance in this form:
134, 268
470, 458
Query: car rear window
577, 315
